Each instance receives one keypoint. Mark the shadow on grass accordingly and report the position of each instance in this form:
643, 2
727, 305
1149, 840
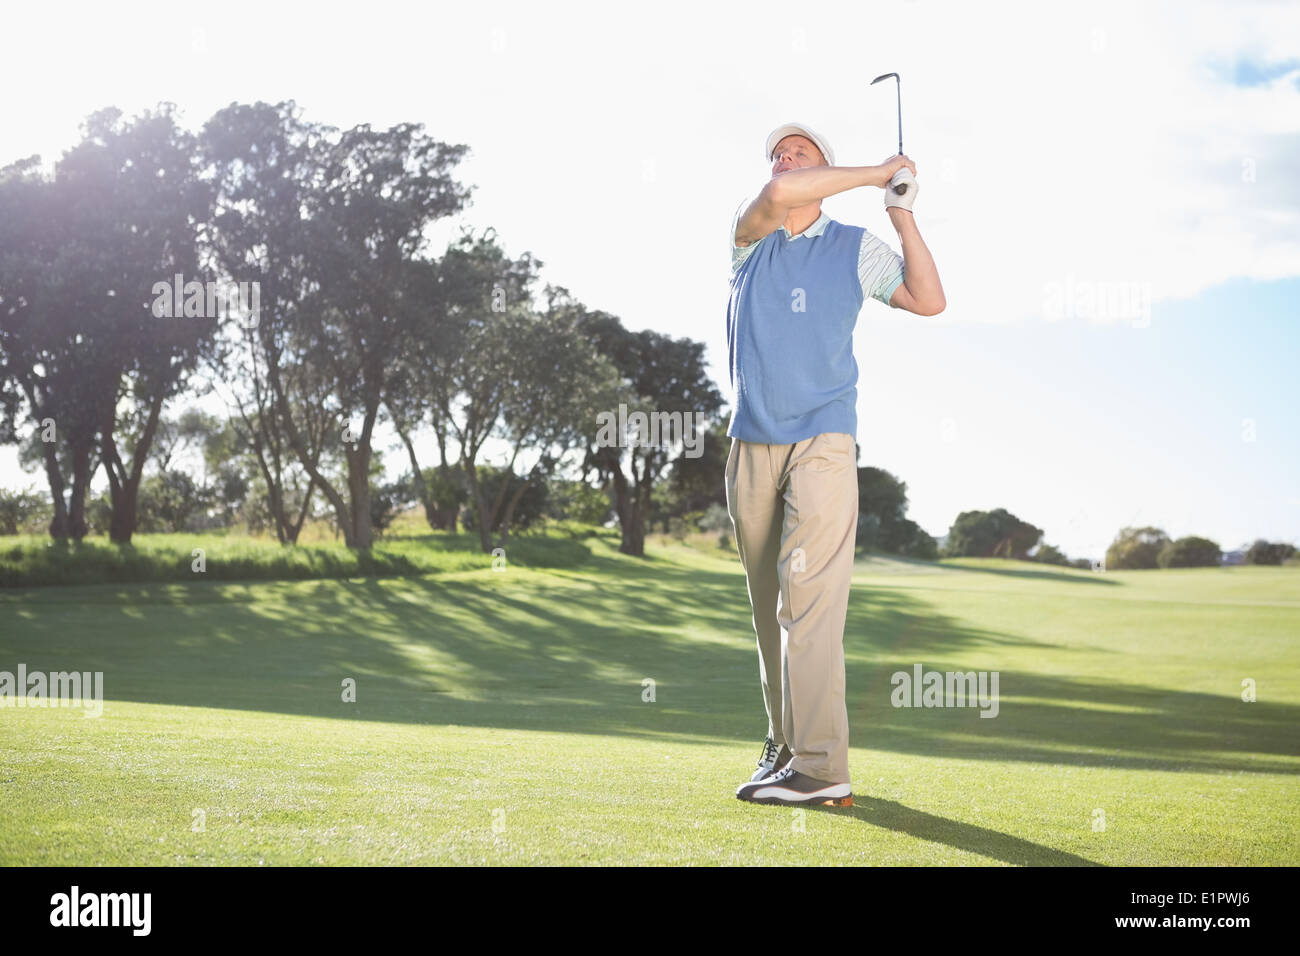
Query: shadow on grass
569, 653
1079, 577
892, 815
1033, 571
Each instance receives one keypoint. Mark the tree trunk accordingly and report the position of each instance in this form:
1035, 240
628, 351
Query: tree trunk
510, 514
633, 539
446, 516
59, 523
417, 477
122, 526
295, 529
363, 535
480, 507
631, 517
123, 485
311, 465
81, 469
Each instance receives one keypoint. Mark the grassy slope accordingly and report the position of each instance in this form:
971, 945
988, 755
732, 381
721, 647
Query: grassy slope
35, 561
515, 698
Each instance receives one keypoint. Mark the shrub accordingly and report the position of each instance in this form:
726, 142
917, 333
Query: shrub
579, 501
716, 518
24, 511
1050, 554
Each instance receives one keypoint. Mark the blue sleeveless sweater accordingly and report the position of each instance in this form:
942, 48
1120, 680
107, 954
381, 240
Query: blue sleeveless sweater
790, 318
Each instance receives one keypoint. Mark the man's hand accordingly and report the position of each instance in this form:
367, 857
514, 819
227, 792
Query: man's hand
892, 165
904, 175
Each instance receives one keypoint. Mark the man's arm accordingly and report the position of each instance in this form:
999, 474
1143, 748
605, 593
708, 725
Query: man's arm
801, 186
921, 291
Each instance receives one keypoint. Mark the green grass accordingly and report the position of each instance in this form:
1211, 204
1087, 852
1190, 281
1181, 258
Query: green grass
515, 698
39, 561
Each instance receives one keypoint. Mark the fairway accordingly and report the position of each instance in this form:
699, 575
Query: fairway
502, 718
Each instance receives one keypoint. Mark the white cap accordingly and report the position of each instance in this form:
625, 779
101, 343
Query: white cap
781, 132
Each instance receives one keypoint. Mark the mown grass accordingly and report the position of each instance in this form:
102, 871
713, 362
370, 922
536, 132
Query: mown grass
503, 717
39, 561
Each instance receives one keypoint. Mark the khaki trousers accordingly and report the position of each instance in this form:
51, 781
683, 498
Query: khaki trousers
794, 509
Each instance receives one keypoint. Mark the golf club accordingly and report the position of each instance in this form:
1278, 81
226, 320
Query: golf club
901, 188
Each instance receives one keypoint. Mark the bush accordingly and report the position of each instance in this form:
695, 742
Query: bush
530, 509
24, 512
1190, 552
579, 501
167, 502
387, 500
99, 514
716, 518
694, 521
1050, 554
446, 492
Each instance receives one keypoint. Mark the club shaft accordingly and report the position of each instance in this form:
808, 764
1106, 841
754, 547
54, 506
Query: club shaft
898, 85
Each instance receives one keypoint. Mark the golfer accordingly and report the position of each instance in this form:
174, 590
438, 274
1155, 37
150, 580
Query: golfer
798, 281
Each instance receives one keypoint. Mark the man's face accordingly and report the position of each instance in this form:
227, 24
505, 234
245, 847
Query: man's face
795, 152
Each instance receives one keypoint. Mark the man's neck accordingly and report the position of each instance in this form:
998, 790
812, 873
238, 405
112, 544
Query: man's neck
800, 219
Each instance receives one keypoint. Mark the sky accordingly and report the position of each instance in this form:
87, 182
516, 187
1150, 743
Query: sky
1111, 193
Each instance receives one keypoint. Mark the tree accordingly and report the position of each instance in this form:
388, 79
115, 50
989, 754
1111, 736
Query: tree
282, 480
868, 532
915, 542
135, 205
351, 235
50, 358
697, 482
1190, 552
94, 364
509, 375
1262, 552
660, 376
991, 534
264, 162
478, 371
884, 497
174, 499
1136, 548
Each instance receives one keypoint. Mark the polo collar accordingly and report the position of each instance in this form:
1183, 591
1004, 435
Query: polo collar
816, 229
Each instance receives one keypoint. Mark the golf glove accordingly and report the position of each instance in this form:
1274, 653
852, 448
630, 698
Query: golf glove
904, 175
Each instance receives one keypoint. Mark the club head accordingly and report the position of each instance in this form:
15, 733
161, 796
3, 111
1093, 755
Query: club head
884, 76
